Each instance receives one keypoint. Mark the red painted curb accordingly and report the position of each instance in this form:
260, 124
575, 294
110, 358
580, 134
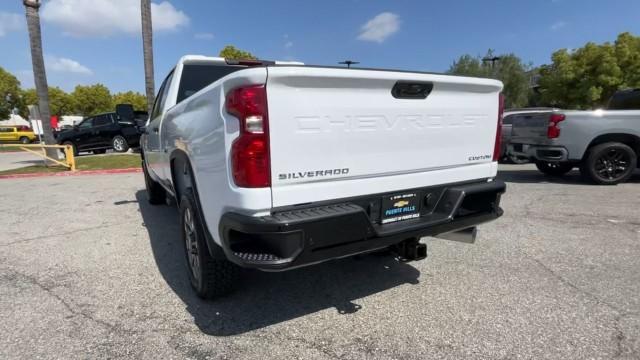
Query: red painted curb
77, 173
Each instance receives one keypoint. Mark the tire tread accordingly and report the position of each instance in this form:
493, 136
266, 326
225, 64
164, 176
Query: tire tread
219, 276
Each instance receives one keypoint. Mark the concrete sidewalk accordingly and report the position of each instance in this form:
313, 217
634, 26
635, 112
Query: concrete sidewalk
17, 159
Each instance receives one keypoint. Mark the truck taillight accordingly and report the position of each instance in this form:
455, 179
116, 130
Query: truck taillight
553, 131
250, 159
496, 145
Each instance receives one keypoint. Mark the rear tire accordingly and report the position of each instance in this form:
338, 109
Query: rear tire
119, 144
554, 168
209, 277
156, 194
609, 163
24, 140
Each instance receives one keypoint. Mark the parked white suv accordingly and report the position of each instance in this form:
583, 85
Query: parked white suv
279, 165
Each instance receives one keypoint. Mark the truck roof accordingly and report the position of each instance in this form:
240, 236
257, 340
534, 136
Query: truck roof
200, 59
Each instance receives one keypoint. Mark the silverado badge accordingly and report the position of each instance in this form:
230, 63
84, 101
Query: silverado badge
401, 203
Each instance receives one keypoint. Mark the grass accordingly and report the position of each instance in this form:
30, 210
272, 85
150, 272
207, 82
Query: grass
90, 162
125, 161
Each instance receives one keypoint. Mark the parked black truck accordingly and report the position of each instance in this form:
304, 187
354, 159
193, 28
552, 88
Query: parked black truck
119, 130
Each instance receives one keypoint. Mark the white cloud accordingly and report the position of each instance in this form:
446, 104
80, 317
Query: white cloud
84, 18
10, 22
65, 65
558, 25
288, 44
204, 36
167, 17
380, 27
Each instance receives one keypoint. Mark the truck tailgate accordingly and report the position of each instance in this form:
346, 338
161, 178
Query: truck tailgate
530, 128
339, 133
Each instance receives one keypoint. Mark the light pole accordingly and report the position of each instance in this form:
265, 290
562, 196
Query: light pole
147, 52
492, 60
348, 63
39, 73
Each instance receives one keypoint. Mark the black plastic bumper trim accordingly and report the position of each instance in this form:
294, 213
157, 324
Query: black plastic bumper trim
301, 237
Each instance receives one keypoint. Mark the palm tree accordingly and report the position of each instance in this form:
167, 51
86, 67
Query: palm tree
39, 74
147, 50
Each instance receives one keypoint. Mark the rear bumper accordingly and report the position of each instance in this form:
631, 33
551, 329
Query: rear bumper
311, 235
540, 152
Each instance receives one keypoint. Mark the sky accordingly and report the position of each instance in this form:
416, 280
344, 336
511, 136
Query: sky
98, 41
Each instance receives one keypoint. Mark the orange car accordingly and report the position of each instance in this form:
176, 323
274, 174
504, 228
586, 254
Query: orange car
21, 134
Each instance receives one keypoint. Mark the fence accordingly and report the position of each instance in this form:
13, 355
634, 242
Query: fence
69, 159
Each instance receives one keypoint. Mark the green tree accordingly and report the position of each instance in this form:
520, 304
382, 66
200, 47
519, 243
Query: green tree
9, 94
136, 99
587, 77
60, 103
91, 99
468, 65
507, 68
231, 52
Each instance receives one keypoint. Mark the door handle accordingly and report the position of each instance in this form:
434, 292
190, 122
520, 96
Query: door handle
411, 89
155, 130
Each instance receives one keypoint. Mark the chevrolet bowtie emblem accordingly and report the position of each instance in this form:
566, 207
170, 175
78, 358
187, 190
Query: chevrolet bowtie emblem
401, 203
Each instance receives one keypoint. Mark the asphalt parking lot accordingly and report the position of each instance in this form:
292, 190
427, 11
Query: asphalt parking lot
90, 270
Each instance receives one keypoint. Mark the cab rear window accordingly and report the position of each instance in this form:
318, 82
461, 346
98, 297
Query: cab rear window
625, 100
196, 77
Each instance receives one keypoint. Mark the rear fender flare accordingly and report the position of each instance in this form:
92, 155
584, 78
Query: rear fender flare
632, 140
182, 178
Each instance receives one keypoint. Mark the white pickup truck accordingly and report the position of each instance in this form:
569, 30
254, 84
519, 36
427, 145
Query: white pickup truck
280, 165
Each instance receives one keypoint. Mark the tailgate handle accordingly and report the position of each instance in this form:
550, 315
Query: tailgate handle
411, 89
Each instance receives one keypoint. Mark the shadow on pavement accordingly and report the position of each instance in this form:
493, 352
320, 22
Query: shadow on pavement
37, 161
535, 176
262, 298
